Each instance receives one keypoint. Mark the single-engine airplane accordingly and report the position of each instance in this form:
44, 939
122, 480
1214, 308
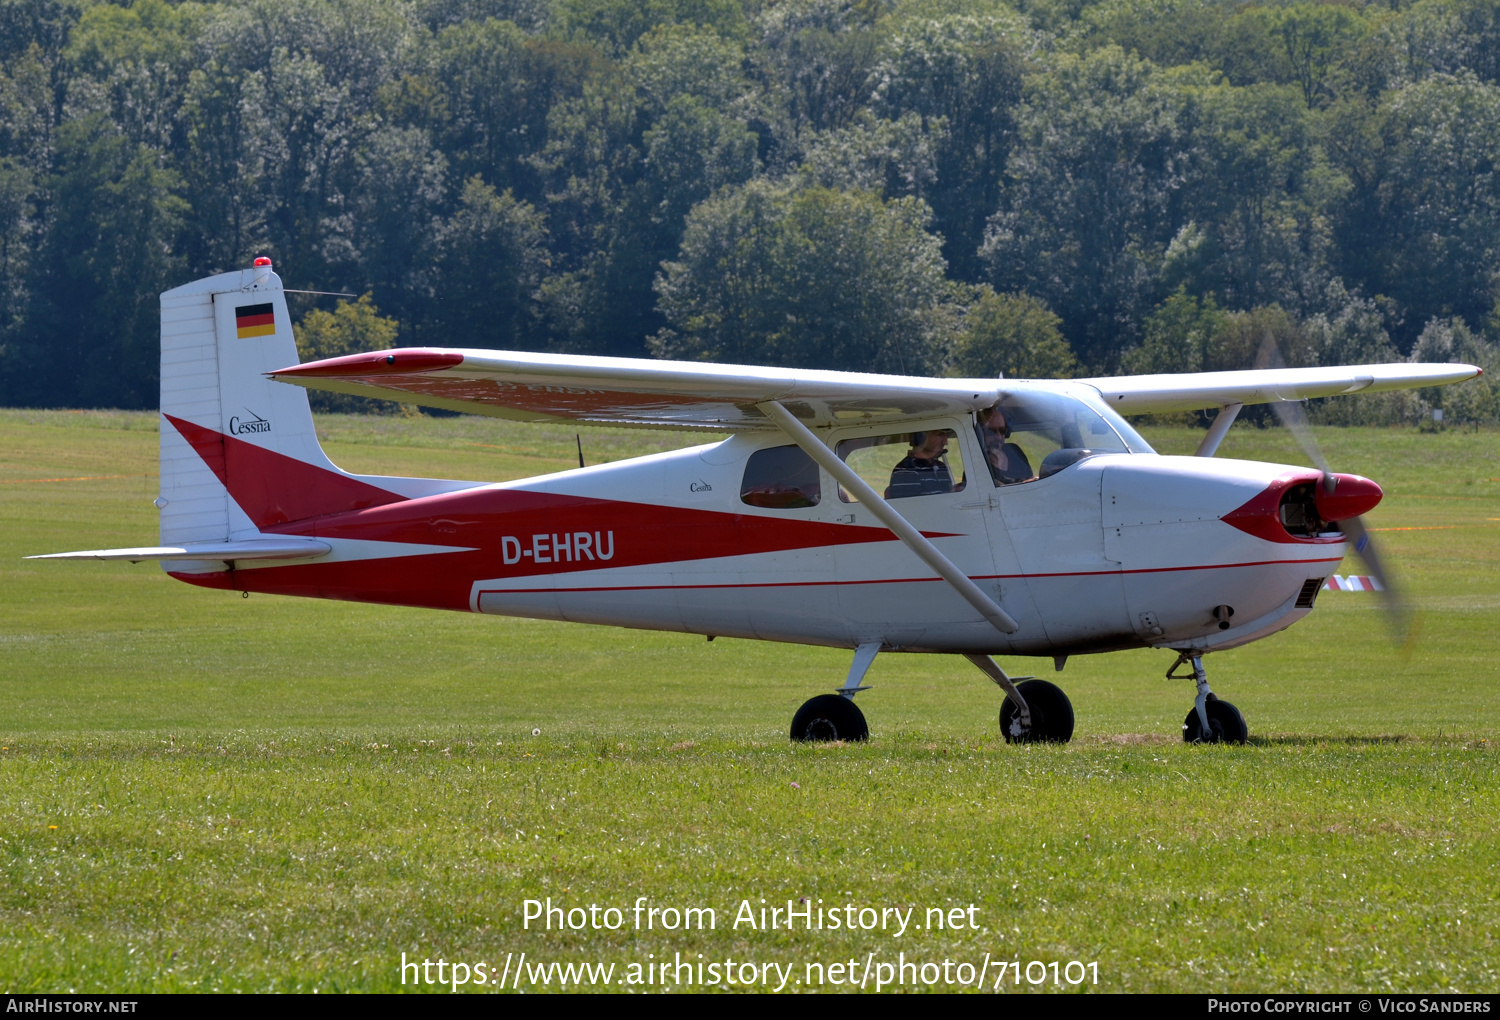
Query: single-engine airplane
976, 517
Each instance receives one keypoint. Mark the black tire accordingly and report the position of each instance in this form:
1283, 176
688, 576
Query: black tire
1225, 723
1051, 714
829, 717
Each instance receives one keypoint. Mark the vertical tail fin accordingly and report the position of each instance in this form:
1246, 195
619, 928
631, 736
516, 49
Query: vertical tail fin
239, 452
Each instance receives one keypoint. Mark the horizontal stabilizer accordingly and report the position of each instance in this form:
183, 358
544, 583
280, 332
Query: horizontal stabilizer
249, 549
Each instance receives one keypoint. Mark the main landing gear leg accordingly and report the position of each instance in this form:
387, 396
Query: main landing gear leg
1211, 721
1034, 710
834, 716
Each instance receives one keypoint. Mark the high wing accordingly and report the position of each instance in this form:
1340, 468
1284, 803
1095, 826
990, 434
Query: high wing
1197, 391
586, 390
583, 390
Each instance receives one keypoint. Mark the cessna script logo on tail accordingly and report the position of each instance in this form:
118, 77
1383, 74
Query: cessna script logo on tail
242, 426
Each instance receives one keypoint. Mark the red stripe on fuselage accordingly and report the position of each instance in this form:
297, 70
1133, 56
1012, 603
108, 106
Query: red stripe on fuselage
501, 532
445, 581
888, 580
552, 533
429, 582
273, 488
505, 532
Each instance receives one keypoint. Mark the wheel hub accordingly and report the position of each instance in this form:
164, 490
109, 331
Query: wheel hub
822, 729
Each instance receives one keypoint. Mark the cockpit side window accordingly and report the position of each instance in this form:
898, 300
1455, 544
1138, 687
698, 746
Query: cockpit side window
781, 478
1006, 460
1033, 434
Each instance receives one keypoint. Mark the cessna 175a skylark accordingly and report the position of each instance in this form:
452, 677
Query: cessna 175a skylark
977, 517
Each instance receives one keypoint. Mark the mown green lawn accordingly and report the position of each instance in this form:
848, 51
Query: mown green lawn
199, 791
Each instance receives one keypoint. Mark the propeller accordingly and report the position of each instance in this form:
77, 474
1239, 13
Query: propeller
1341, 498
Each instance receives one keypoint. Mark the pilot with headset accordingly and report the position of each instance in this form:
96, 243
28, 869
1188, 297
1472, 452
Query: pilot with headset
1007, 461
923, 471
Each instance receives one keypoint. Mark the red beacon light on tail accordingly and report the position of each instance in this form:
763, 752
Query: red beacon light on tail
262, 261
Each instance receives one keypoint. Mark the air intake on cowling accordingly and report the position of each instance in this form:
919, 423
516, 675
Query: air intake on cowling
1309, 593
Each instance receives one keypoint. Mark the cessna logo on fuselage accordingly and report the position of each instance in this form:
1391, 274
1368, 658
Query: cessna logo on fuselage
568, 547
255, 423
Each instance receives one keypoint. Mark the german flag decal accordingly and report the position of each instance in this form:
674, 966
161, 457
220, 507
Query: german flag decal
254, 320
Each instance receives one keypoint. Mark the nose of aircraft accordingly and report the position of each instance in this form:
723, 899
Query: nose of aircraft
1351, 496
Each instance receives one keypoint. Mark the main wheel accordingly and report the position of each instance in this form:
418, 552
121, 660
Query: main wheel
829, 717
1225, 724
1051, 715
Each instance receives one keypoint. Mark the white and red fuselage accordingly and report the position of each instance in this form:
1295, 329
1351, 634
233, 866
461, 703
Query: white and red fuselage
975, 516
1117, 550
1051, 528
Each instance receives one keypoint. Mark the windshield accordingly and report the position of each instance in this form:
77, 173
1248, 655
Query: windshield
1133, 440
1032, 433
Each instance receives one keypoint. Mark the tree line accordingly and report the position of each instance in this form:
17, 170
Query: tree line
1043, 188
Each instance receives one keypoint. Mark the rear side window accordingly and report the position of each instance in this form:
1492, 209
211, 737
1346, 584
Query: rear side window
781, 478
905, 464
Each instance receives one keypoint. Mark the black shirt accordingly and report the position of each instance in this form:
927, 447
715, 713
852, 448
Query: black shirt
917, 477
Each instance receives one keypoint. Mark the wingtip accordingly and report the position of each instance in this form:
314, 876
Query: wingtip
402, 361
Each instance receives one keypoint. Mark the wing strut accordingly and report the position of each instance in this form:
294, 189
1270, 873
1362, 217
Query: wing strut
887, 515
1218, 430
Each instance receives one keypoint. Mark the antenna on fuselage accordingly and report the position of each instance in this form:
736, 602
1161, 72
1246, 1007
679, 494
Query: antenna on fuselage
579, 440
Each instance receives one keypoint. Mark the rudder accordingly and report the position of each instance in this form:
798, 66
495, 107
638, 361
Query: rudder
238, 451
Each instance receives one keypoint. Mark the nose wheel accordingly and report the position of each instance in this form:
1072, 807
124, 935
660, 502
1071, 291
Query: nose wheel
1211, 720
1225, 724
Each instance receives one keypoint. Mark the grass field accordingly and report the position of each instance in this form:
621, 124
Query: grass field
199, 791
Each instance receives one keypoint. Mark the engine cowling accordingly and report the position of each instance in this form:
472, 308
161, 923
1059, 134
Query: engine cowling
1297, 508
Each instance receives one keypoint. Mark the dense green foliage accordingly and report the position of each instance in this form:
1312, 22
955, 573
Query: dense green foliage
904, 185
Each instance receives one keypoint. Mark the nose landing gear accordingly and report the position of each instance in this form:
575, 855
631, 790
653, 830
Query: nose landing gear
1211, 720
1225, 725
